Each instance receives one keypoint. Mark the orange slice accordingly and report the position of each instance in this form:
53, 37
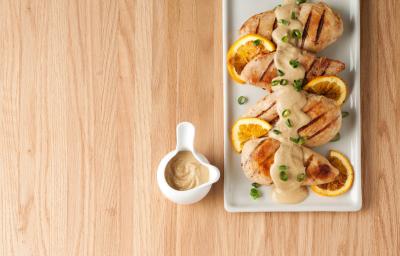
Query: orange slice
330, 86
244, 50
343, 182
248, 128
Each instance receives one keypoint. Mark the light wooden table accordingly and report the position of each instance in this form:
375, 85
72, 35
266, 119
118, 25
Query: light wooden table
90, 93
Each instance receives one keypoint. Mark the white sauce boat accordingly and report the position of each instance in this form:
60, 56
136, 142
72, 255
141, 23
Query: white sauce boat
185, 133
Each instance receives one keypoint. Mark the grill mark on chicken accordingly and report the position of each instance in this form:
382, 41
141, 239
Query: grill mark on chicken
320, 25
266, 71
320, 65
311, 123
308, 161
258, 25
263, 157
275, 24
303, 39
312, 107
323, 128
311, 66
265, 111
246, 162
276, 118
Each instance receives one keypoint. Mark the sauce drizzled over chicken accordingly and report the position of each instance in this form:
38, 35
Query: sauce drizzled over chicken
281, 159
288, 159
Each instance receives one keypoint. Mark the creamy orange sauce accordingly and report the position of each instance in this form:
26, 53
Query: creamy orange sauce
289, 102
184, 172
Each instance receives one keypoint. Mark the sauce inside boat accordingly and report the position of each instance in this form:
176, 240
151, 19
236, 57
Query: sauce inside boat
185, 176
288, 171
184, 172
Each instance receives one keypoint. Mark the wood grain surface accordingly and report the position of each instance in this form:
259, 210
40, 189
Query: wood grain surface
90, 93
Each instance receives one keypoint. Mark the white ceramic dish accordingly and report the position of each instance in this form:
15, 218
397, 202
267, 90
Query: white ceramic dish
346, 49
185, 133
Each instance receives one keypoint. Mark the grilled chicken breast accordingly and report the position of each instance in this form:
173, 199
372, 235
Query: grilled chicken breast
261, 70
325, 115
258, 157
322, 26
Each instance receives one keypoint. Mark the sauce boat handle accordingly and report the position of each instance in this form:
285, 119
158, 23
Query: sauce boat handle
185, 132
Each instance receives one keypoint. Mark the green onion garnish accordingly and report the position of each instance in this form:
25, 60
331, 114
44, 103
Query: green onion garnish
300, 140
336, 138
289, 123
293, 16
256, 42
277, 132
283, 168
284, 22
298, 84
284, 82
276, 82
242, 100
286, 112
255, 193
285, 39
281, 73
300, 1
283, 175
294, 63
345, 114
301, 177
296, 34
255, 184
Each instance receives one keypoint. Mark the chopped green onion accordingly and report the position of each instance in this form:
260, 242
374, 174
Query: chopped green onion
256, 42
336, 138
255, 184
276, 82
286, 112
242, 100
283, 175
298, 84
300, 1
284, 82
345, 114
255, 193
281, 73
283, 168
293, 16
289, 123
294, 63
285, 39
277, 132
300, 140
284, 22
301, 177
296, 34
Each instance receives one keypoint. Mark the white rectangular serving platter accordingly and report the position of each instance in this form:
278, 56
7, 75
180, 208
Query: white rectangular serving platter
345, 49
